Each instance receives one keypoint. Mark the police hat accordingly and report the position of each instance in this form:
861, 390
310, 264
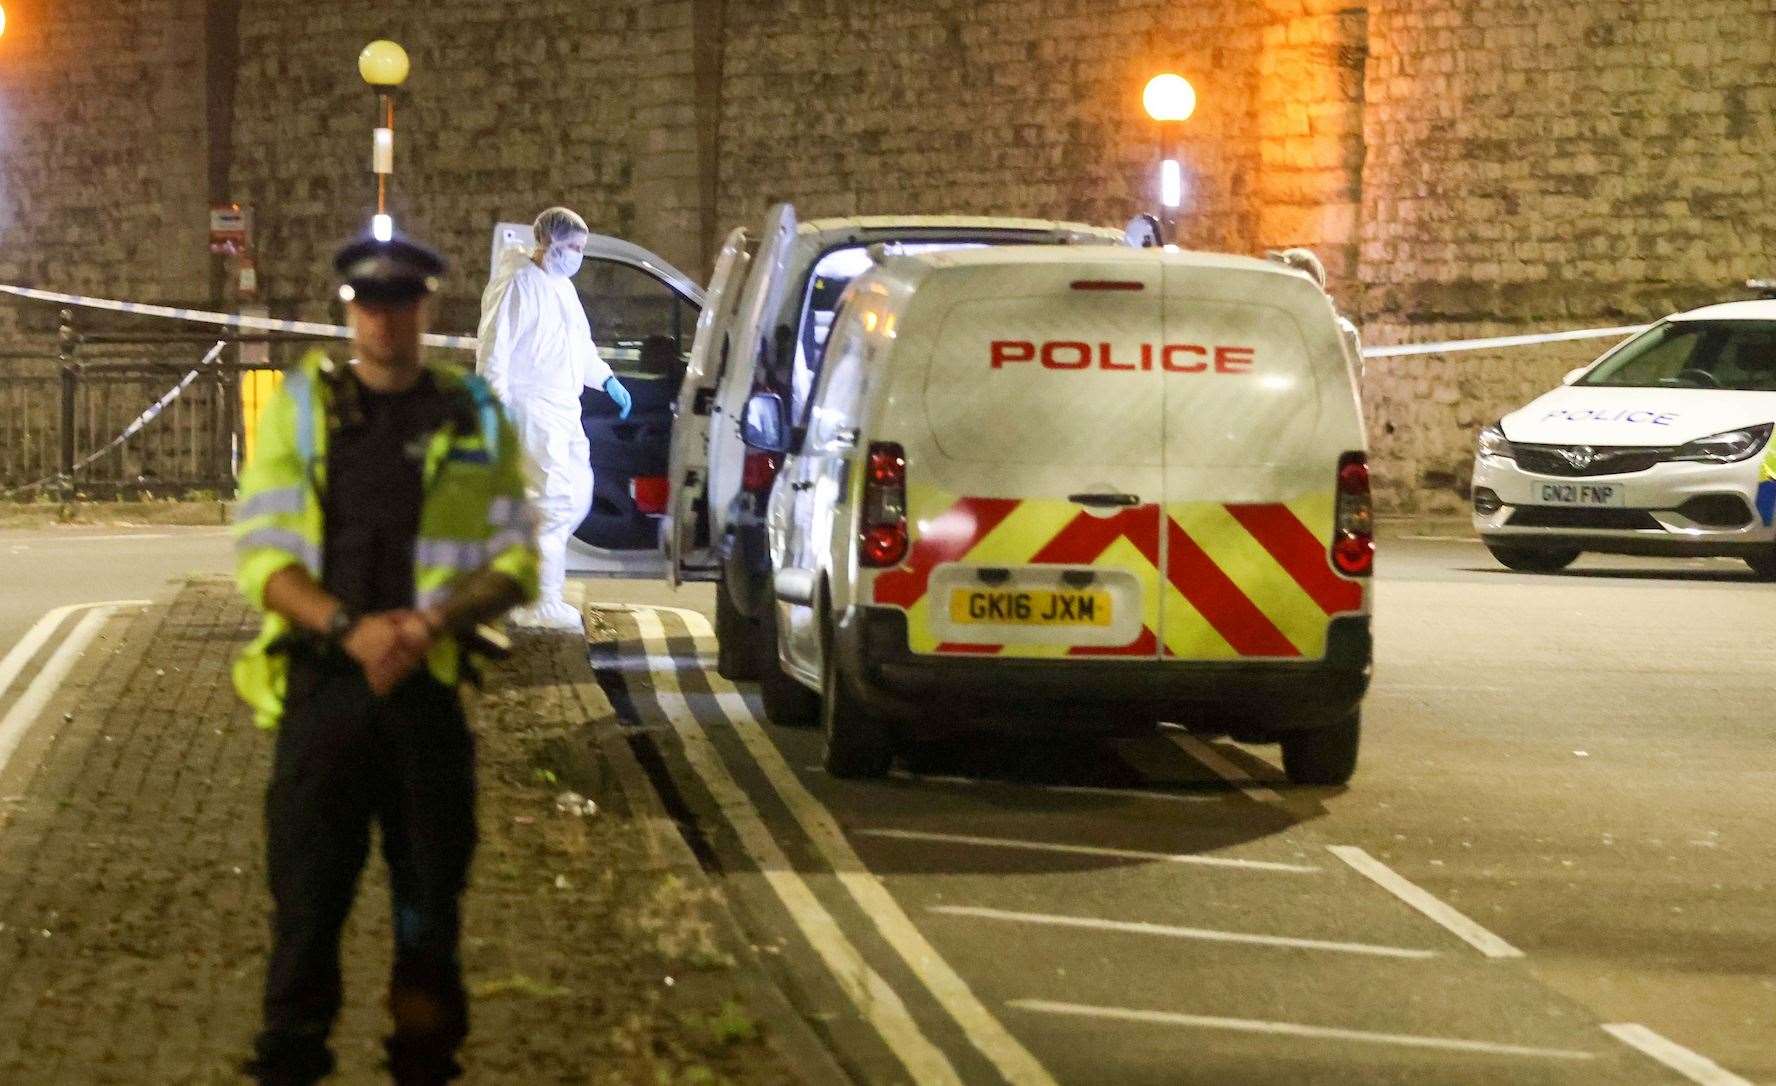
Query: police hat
390, 271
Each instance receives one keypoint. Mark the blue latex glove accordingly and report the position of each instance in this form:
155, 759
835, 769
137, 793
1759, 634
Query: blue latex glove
620, 395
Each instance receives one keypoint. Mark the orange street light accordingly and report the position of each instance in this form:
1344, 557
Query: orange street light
2, 21
1170, 100
1169, 97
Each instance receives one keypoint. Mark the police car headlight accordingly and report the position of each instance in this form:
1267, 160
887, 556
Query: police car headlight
1494, 443
1727, 448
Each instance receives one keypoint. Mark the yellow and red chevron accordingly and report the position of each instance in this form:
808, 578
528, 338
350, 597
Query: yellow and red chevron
1241, 581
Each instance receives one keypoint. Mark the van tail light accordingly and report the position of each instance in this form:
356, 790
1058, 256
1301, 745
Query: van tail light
758, 471
883, 533
1353, 531
648, 492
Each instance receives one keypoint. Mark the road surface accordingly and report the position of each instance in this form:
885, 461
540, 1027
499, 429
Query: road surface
1553, 866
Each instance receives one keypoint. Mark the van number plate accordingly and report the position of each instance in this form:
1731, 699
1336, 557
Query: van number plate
1590, 494
1028, 607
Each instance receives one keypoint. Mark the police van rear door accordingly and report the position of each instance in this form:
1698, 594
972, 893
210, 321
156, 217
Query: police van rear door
685, 535
1033, 488
1259, 407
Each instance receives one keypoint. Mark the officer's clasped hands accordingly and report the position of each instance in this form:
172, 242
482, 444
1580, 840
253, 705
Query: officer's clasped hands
388, 645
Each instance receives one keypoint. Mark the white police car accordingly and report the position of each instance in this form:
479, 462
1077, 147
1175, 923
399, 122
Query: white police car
1661, 447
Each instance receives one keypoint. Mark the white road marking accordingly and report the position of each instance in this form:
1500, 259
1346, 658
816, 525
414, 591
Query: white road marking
1460, 926
1691, 1065
30, 703
1089, 850
1062, 789
874, 998
1208, 935
1216, 763
983, 1030
1296, 1029
28, 645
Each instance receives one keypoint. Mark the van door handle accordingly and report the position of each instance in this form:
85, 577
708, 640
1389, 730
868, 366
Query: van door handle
1105, 501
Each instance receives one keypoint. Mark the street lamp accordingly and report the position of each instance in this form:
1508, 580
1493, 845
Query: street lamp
384, 66
2, 21
1170, 100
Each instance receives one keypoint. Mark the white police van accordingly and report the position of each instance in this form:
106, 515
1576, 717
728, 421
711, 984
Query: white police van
765, 324
1661, 447
1075, 485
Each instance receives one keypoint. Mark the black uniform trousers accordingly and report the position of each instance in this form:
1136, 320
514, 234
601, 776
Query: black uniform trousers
345, 759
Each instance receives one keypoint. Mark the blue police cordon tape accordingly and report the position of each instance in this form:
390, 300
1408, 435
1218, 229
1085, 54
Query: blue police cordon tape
226, 320
1500, 342
468, 343
135, 427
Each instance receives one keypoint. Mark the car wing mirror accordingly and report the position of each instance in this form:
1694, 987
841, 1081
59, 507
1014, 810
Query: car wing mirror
765, 426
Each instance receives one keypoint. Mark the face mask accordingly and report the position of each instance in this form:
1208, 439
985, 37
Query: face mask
562, 261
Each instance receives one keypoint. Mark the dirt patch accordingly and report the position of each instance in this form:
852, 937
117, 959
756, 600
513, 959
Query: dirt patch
113, 514
133, 904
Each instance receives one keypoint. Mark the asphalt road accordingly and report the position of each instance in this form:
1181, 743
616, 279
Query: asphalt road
1560, 824
45, 568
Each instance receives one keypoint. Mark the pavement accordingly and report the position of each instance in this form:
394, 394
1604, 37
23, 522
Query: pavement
1553, 865
133, 909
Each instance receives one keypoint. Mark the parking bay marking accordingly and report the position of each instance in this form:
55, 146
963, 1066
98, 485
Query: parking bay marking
983, 1030
1295, 1029
1061, 789
1134, 927
1089, 850
1453, 921
1217, 763
1691, 1065
875, 999
42, 688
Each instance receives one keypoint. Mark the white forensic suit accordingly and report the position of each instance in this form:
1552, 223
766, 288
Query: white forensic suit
537, 352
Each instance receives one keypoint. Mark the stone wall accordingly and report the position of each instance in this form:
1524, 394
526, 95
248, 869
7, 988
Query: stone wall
1033, 107
1544, 164
102, 152
1467, 167
510, 108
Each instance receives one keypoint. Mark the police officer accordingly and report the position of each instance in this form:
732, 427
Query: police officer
1303, 259
381, 518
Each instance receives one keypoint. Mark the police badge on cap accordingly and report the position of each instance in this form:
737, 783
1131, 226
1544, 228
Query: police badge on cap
387, 272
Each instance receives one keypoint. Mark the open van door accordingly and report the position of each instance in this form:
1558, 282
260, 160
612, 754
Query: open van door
643, 312
685, 533
751, 336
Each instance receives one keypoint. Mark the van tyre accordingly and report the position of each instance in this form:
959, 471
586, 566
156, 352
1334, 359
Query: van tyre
859, 744
1325, 755
737, 640
1534, 560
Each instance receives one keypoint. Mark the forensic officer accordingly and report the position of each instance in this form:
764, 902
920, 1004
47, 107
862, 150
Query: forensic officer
382, 517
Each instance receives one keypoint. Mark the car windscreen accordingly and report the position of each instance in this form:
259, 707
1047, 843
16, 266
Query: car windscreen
1738, 355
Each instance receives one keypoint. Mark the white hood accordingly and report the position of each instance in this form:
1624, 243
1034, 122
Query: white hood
1596, 415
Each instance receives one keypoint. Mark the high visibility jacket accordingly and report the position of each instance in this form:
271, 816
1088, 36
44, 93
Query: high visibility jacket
473, 513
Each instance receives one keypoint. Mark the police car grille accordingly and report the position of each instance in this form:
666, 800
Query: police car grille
1620, 520
1547, 460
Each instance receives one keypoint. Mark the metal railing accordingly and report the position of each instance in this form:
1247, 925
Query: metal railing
67, 433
